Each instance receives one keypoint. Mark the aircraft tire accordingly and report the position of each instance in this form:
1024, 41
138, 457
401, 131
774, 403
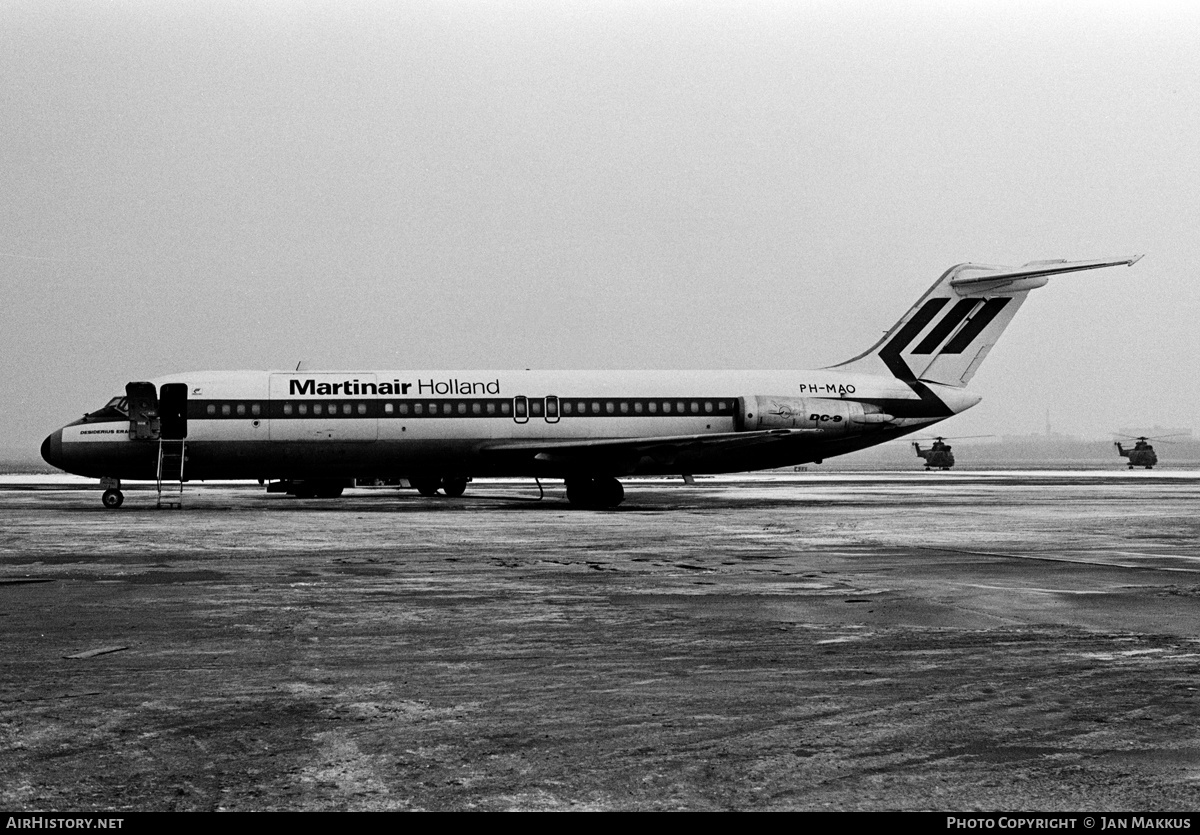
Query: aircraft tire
425, 486
112, 499
454, 486
595, 493
609, 492
580, 491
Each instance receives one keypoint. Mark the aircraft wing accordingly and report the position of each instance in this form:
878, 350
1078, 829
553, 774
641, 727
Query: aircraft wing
663, 449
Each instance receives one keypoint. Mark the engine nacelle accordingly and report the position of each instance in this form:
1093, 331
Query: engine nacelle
835, 417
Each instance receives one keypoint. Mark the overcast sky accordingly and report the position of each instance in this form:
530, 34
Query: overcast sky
457, 185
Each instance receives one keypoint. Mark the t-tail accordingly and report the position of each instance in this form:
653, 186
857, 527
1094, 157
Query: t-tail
946, 335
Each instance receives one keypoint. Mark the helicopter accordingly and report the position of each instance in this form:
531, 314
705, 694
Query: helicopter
939, 455
1141, 454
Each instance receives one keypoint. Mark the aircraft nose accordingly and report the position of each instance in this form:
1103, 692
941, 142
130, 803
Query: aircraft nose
52, 449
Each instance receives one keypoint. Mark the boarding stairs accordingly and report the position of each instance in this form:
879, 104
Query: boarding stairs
171, 457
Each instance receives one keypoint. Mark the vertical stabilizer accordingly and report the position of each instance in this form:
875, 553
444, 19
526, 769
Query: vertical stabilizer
947, 334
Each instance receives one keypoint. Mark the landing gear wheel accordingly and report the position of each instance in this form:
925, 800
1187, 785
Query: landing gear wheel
596, 493
454, 486
609, 492
425, 486
113, 499
579, 491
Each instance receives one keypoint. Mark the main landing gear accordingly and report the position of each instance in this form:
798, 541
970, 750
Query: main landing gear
595, 493
452, 486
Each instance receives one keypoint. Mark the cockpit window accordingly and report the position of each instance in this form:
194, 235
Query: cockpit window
115, 409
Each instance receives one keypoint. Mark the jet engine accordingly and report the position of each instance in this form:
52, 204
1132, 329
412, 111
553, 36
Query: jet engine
835, 417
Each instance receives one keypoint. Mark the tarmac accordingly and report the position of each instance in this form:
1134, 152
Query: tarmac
953, 641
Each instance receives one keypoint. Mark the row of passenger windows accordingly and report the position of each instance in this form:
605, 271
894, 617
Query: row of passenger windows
227, 409
640, 407
518, 407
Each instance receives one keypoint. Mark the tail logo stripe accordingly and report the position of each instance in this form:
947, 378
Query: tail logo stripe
945, 327
976, 324
891, 352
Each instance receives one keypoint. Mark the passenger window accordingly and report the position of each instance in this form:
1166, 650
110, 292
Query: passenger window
609, 406
225, 408
637, 408
624, 408
317, 408
388, 408
255, 409
491, 408
666, 407
433, 410
535, 408
241, 408
303, 407
362, 408
418, 408
680, 406
566, 407
287, 408
708, 406
695, 407
652, 406
595, 407
476, 408
212, 408
506, 408
462, 408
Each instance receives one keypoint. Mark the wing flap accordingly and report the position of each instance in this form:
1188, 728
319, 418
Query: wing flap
661, 446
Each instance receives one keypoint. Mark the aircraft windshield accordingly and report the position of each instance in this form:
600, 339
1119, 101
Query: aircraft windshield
117, 407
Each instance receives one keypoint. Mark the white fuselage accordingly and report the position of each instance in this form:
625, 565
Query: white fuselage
270, 425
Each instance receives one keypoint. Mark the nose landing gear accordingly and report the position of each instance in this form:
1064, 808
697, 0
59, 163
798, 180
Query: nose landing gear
112, 497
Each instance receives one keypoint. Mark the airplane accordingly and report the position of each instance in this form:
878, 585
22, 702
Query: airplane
310, 434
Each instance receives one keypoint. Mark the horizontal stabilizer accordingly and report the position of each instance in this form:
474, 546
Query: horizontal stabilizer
995, 278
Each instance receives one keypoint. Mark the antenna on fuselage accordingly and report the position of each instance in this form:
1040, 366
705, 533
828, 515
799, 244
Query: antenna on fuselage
299, 364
